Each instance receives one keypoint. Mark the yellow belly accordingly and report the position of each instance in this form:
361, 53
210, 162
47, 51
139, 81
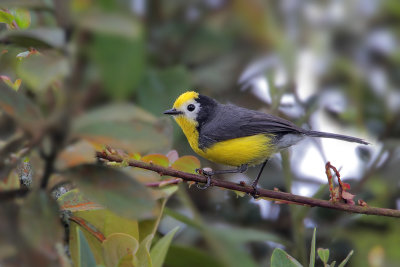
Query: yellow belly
250, 150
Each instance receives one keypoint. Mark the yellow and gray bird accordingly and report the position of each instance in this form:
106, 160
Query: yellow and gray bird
237, 136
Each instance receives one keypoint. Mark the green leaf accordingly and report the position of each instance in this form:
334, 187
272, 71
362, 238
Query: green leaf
120, 62
343, 263
157, 159
85, 257
36, 37
323, 254
117, 246
93, 242
6, 17
117, 224
53, 68
20, 108
182, 218
107, 222
25, 3
312, 252
39, 220
149, 227
160, 249
243, 235
124, 126
280, 258
112, 24
160, 88
186, 164
22, 17
183, 256
333, 263
142, 257
13, 85
74, 200
114, 190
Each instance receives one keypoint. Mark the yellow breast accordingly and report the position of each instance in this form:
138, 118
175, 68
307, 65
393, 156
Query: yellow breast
250, 150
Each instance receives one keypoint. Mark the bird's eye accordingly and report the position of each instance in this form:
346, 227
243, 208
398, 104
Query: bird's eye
191, 107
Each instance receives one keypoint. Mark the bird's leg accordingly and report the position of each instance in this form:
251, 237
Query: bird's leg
255, 182
242, 168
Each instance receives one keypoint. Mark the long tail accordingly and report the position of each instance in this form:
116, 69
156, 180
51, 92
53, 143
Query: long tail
336, 136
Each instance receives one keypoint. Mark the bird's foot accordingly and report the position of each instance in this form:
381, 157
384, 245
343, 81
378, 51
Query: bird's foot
205, 171
208, 174
207, 185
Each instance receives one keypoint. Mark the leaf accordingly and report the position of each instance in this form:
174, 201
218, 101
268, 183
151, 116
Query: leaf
186, 164
36, 37
117, 224
312, 252
85, 255
149, 227
6, 17
280, 258
39, 221
93, 242
74, 200
172, 156
157, 159
81, 152
22, 17
182, 218
54, 67
13, 85
343, 263
120, 62
114, 190
142, 257
160, 249
24, 3
118, 246
124, 126
243, 235
183, 256
20, 108
107, 222
323, 254
112, 24
160, 87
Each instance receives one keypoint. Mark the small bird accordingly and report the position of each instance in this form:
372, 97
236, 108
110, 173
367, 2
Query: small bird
237, 136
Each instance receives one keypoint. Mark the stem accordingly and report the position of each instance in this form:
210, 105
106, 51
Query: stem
270, 194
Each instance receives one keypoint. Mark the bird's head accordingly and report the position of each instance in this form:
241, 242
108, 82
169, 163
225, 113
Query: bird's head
192, 108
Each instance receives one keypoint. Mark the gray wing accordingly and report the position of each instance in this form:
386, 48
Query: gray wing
232, 121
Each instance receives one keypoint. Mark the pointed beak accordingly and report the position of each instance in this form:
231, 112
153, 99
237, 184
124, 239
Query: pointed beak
173, 112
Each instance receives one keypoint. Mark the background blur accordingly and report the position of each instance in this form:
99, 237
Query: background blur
327, 65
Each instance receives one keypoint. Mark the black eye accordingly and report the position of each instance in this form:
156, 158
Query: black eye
191, 107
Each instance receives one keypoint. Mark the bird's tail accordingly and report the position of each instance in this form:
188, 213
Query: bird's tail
336, 136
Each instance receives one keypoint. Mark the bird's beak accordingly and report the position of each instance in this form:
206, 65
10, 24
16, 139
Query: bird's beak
173, 112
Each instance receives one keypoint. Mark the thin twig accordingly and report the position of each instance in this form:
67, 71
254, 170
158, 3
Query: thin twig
295, 199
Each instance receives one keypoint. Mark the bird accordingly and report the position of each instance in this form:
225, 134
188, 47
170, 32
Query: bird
237, 136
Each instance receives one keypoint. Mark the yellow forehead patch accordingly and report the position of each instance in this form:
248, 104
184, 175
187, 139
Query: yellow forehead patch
183, 98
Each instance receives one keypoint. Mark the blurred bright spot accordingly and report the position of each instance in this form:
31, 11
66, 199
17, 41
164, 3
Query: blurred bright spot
268, 210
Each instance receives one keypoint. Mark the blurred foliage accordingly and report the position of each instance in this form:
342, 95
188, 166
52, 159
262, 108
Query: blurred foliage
80, 76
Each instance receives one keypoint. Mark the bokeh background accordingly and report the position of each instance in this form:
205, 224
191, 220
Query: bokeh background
326, 65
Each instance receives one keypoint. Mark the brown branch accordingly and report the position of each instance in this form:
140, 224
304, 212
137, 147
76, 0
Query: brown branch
282, 196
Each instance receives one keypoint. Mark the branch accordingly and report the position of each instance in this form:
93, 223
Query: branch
281, 196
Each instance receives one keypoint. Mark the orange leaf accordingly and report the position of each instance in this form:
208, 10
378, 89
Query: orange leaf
186, 164
157, 159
